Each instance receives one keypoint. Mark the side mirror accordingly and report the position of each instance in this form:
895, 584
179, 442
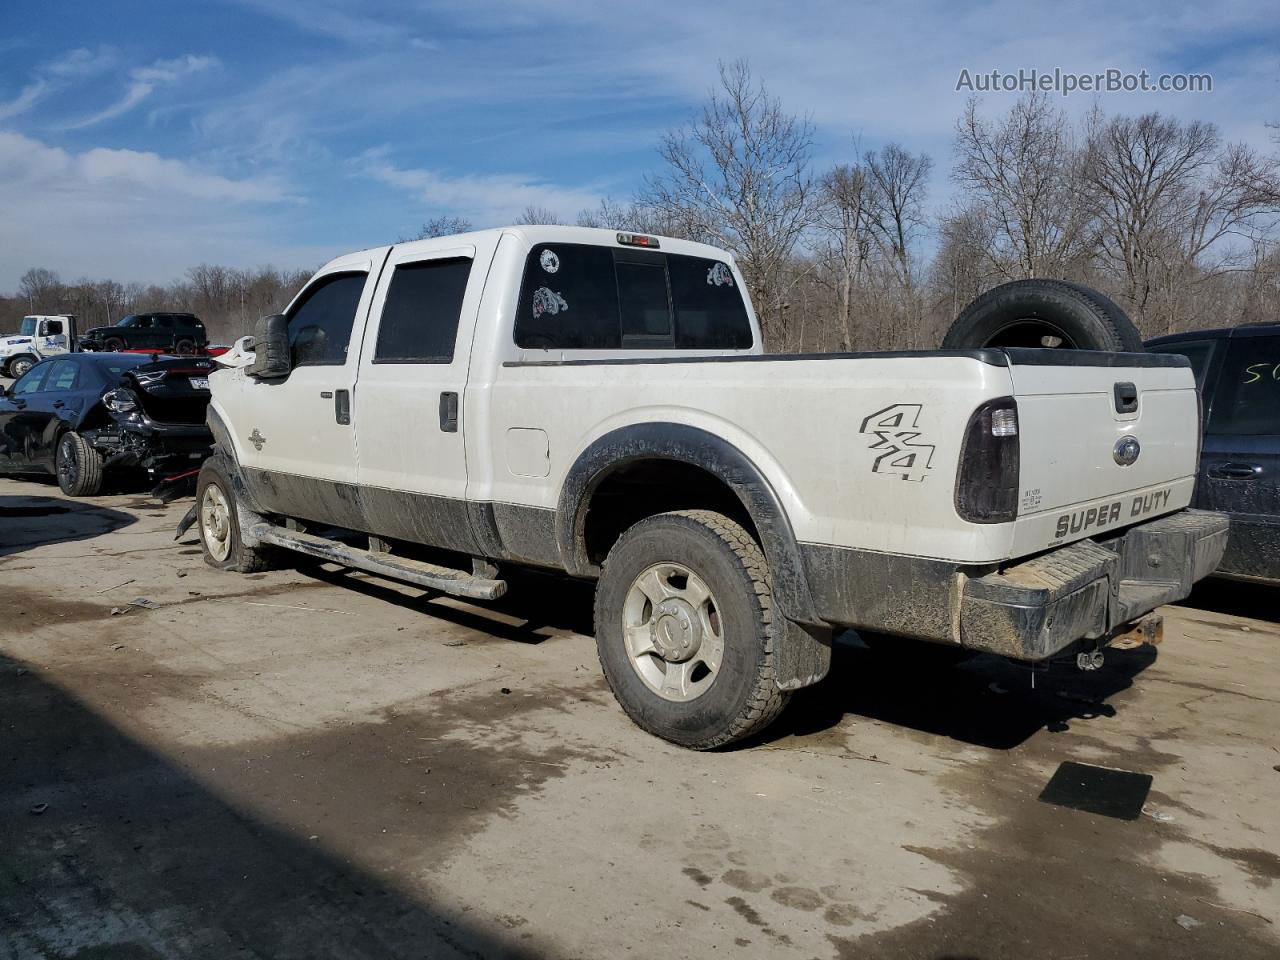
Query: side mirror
271, 348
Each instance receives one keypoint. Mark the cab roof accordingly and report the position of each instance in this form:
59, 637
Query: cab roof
547, 233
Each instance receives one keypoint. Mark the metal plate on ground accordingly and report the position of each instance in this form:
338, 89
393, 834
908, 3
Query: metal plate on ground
1101, 790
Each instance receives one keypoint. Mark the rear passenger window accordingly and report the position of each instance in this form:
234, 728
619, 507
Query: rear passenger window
62, 376
320, 324
584, 297
569, 299
1247, 399
710, 314
420, 318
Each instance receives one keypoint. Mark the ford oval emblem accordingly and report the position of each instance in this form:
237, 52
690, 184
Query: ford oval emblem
1126, 450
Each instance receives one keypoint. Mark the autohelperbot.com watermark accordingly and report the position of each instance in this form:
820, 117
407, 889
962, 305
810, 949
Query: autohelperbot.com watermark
1065, 82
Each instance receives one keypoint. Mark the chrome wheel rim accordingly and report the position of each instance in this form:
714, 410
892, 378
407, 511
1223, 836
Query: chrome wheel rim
673, 632
215, 522
20, 367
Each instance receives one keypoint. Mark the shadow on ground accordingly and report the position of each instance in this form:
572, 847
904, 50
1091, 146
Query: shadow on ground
1236, 598
112, 851
538, 601
27, 522
987, 701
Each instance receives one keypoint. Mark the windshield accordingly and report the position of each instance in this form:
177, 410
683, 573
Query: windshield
28, 328
132, 320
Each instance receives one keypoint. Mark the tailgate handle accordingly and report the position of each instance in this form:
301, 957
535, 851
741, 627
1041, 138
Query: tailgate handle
1126, 397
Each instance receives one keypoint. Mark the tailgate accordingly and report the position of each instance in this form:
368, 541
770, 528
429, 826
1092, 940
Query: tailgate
1074, 409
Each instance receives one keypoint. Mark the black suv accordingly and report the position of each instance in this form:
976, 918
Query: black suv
1238, 372
171, 332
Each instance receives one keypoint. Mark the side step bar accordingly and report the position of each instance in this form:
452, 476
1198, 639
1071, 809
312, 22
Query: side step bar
429, 575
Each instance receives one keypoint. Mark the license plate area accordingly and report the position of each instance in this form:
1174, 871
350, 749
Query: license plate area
199, 383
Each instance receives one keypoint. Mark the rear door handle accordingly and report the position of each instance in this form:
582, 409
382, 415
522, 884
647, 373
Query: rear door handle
1236, 471
449, 412
342, 406
58, 403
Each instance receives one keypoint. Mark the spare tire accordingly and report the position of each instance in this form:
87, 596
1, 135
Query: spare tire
1043, 313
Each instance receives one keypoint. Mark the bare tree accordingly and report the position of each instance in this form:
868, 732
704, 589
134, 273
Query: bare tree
1020, 173
42, 288
534, 214
898, 181
738, 177
1174, 206
443, 225
841, 213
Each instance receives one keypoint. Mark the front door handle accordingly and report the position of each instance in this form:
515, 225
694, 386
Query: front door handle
342, 406
59, 404
1236, 471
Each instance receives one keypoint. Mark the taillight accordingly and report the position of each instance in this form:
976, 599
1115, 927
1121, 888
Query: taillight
987, 482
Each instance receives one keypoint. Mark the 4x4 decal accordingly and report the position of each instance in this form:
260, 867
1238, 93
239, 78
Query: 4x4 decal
898, 453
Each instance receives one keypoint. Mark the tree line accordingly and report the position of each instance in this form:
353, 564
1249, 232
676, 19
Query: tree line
1177, 225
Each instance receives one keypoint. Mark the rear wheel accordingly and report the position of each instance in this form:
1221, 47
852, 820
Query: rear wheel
78, 466
685, 629
20, 365
1043, 313
219, 524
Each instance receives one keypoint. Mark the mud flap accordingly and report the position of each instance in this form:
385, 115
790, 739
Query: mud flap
188, 519
802, 655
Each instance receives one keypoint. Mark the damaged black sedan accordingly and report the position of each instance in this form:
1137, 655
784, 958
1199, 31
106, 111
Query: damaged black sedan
84, 415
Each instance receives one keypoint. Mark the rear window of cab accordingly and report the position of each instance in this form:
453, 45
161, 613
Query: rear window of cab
588, 297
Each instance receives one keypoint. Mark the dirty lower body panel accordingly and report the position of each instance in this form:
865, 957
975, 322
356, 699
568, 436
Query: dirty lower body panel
1089, 590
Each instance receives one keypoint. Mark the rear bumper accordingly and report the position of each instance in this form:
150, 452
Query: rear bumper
1089, 589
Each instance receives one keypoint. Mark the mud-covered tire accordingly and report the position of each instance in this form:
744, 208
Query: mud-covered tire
1035, 313
744, 697
221, 543
19, 365
78, 466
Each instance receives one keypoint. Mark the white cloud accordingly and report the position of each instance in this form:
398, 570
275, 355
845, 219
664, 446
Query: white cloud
144, 81
82, 62
25, 100
52, 76
133, 215
484, 199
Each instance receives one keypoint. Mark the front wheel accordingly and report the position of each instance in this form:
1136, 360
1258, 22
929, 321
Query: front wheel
18, 366
184, 347
78, 466
219, 524
113, 345
685, 629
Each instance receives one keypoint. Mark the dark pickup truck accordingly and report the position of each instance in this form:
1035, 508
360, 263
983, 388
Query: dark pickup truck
1238, 372
181, 333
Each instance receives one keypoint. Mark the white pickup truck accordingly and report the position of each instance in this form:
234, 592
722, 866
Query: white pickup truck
598, 403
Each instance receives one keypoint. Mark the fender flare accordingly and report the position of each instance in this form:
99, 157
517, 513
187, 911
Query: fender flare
708, 451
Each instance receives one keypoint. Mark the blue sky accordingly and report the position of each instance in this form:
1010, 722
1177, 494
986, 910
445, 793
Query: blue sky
137, 139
